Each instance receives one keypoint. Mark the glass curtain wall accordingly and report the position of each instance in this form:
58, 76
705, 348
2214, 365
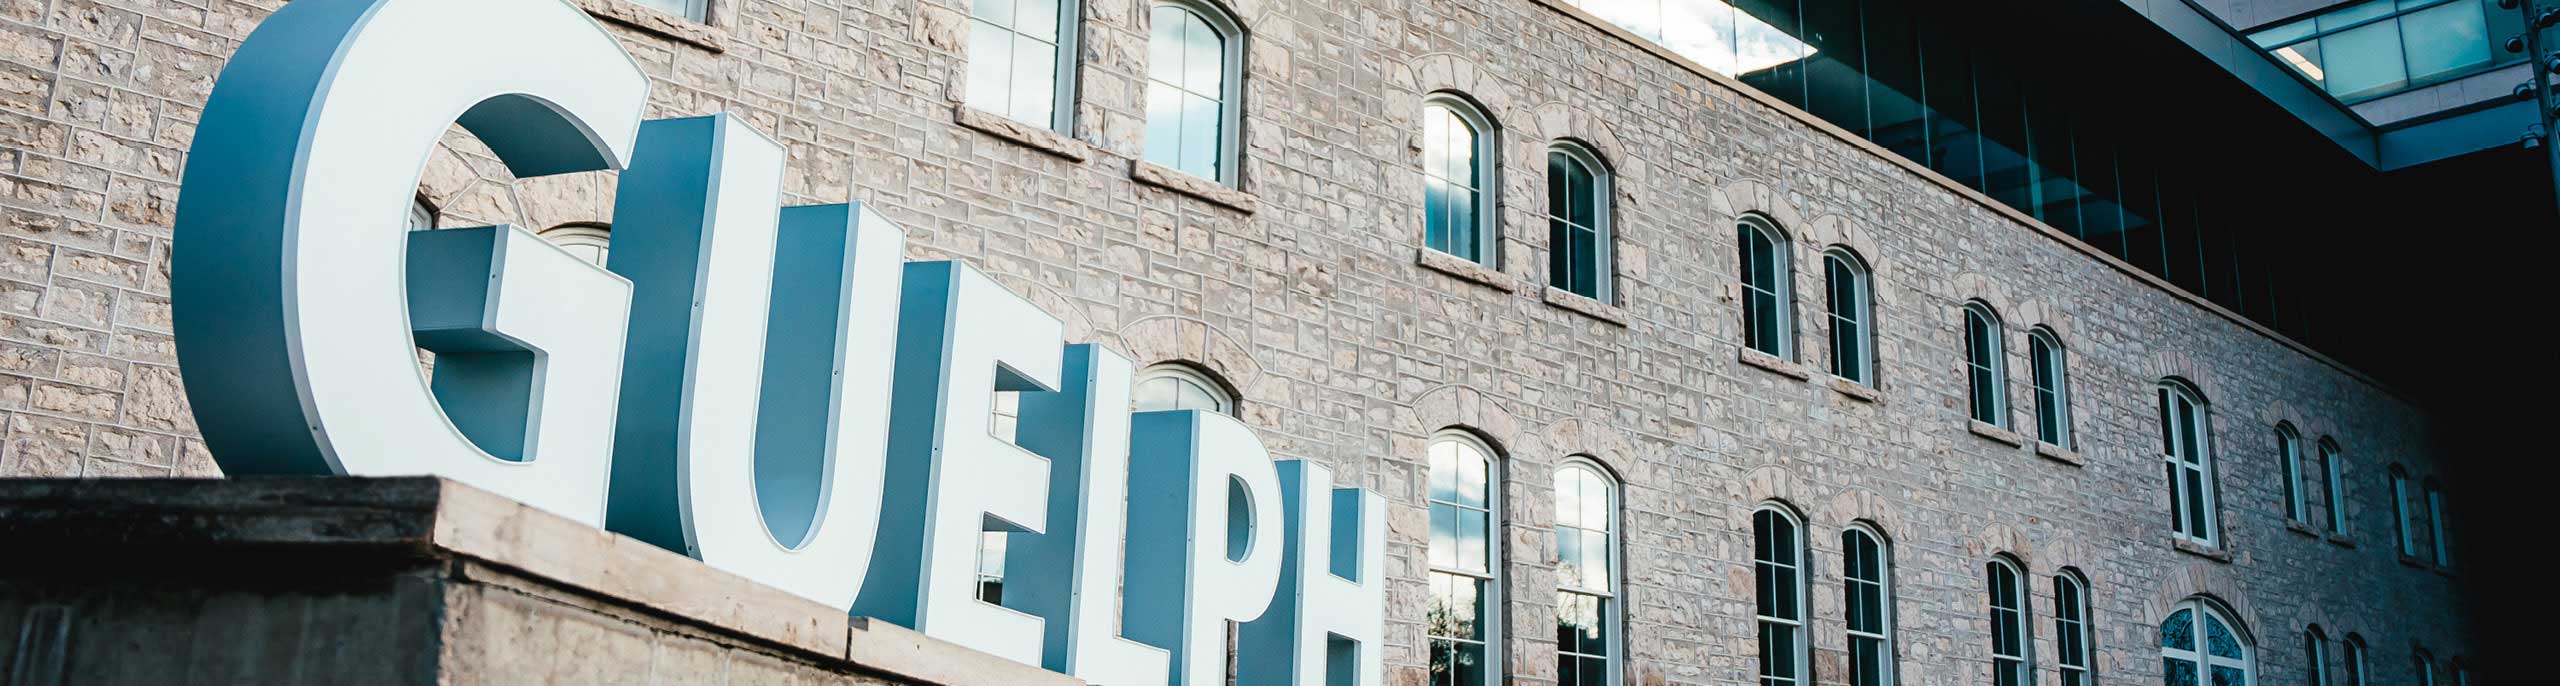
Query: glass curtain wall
2021, 127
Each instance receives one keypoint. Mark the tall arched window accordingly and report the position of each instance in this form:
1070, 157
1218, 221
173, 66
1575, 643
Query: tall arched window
2401, 513
2424, 665
2436, 525
1578, 222
2355, 661
1852, 311
1768, 313
1777, 562
2289, 464
2051, 379
1465, 579
1022, 57
1985, 359
2198, 645
2071, 627
2186, 451
1195, 80
1458, 179
590, 242
2010, 639
1866, 575
2333, 469
1178, 387
2315, 654
1587, 643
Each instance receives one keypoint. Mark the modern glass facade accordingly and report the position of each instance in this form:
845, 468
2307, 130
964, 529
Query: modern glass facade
2372, 49
2027, 127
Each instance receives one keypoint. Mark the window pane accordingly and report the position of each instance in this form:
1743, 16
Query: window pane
2445, 39
1035, 80
990, 67
2364, 61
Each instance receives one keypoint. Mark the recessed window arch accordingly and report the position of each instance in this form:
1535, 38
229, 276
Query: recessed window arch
2333, 498
1177, 386
1768, 268
2200, 644
2050, 373
1588, 612
1866, 576
2315, 654
2402, 515
1986, 359
1022, 61
1579, 222
590, 242
2186, 451
1460, 179
2354, 661
1465, 561
2289, 466
2071, 627
2423, 665
2436, 524
1777, 562
1195, 88
1851, 310
2012, 636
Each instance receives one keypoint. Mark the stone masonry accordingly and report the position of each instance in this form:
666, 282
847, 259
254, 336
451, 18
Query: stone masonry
1305, 290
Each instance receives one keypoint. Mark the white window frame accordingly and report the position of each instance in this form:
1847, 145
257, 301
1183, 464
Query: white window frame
2074, 625
1884, 598
1603, 229
2182, 471
1488, 172
2425, 663
421, 217
1801, 656
1999, 363
1062, 86
1783, 276
1230, 85
2289, 462
2435, 522
2058, 369
582, 236
1612, 609
2333, 467
1226, 402
1490, 581
2023, 662
2402, 514
2316, 651
1862, 290
2203, 656
2355, 661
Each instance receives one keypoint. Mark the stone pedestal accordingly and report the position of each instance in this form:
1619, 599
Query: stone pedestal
405, 581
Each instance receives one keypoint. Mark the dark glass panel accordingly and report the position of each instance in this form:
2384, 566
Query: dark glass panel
1897, 118
2183, 240
2006, 174
2138, 197
1835, 72
1947, 71
2101, 219
1771, 54
2057, 190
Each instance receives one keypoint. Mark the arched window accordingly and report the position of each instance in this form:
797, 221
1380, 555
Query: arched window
1985, 359
1866, 575
1179, 387
1195, 78
2333, 469
2010, 639
1465, 579
2186, 450
2401, 513
1587, 624
1768, 319
590, 242
1578, 229
1458, 182
2051, 379
2198, 645
2424, 665
1852, 311
2289, 464
2071, 627
1778, 563
2355, 661
2315, 653
2436, 525
1022, 56
422, 216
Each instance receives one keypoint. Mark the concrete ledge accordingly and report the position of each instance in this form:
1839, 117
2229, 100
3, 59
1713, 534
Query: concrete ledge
1170, 179
1588, 307
276, 540
1858, 391
681, 30
2060, 454
1465, 270
1995, 433
1018, 133
1753, 357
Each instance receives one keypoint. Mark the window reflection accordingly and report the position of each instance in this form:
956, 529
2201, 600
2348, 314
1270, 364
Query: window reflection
2377, 48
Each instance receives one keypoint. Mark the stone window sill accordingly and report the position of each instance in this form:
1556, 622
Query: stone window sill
2444, 571
2302, 527
1771, 363
1006, 129
2201, 550
631, 15
1587, 307
2342, 541
1857, 391
2413, 561
1170, 179
1465, 270
2060, 454
1995, 433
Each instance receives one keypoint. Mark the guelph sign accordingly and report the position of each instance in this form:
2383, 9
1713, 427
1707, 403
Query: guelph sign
771, 390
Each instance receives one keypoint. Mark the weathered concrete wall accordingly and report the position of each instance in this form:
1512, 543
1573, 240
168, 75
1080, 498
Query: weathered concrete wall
1345, 350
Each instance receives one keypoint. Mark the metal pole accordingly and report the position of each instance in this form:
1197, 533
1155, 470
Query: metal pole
2542, 98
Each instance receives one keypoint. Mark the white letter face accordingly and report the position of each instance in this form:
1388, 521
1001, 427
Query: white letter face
1204, 503
288, 283
1083, 430
961, 338
1328, 626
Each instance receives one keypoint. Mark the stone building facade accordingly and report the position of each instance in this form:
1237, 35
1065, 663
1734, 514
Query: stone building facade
1306, 290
